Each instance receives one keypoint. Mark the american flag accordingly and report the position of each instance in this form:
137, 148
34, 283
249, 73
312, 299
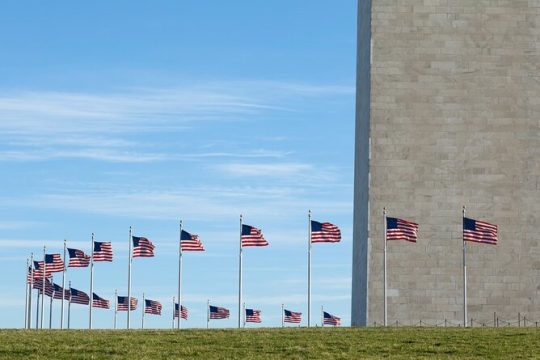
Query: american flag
292, 317
123, 303
38, 285
35, 274
189, 242
99, 302
253, 316
251, 236
103, 251
479, 231
38, 270
54, 263
398, 229
324, 232
329, 319
183, 312
152, 307
217, 312
58, 292
142, 247
79, 297
77, 258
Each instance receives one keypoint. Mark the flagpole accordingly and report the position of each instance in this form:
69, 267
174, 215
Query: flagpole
129, 275
63, 288
115, 307
282, 312
43, 288
50, 309
322, 316
464, 270
91, 282
240, 276
179, 278
29, 320
207, 313
26, 295
37, 309
174, 311
69, 307
143, 309
244, 312
309, 271
384, 272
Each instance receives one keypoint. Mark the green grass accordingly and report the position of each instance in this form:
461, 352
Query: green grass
291, 343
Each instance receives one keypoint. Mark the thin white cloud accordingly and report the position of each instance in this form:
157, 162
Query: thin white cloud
264, 170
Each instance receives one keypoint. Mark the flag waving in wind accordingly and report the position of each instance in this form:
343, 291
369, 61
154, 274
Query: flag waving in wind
152, 307
251, 236
253, 316
479, 231
123, 304
54, 263
183, 311
398, 229
190, 242
329, 319
324, 232
103, 251
217, 312
77, 258
142, 247
292, 317
79, 297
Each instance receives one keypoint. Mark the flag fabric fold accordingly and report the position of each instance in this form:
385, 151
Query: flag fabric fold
102, 251
217, 312
142, 247
54, 263
399, 229
479, 231
99, 302
183, 311
292, 317
329, 319
79, 297
58, 292
190, 242
123, 303
251, 236
152, 307
77, 258
253, 316
324, 232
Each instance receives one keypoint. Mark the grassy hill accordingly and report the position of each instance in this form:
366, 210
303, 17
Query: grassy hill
292, 343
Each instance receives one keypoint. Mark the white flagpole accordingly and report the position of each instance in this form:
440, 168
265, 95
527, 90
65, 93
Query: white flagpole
384, 272
244, 313
69, 308
30, 291
282, 315
37, 309
26, 295
115, 307
174, 310
129, 275
179, 278
322, 316
91, 282
240, 276
143, 309
50, 310
207, 313
309, 271
464, 270
63, 288
43, 289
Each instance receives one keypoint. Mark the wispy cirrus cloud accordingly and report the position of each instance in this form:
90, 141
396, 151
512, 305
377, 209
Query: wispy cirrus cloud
97, 125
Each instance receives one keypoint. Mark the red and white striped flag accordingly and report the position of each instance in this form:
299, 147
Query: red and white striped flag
324, 232
251, 236
479, 231
253, 316
292, 317
398, 229
190, 242
77, 258
99, 302
102, 251
142, 247
183, 311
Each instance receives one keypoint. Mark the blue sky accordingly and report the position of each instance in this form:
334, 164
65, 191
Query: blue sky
142, 113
